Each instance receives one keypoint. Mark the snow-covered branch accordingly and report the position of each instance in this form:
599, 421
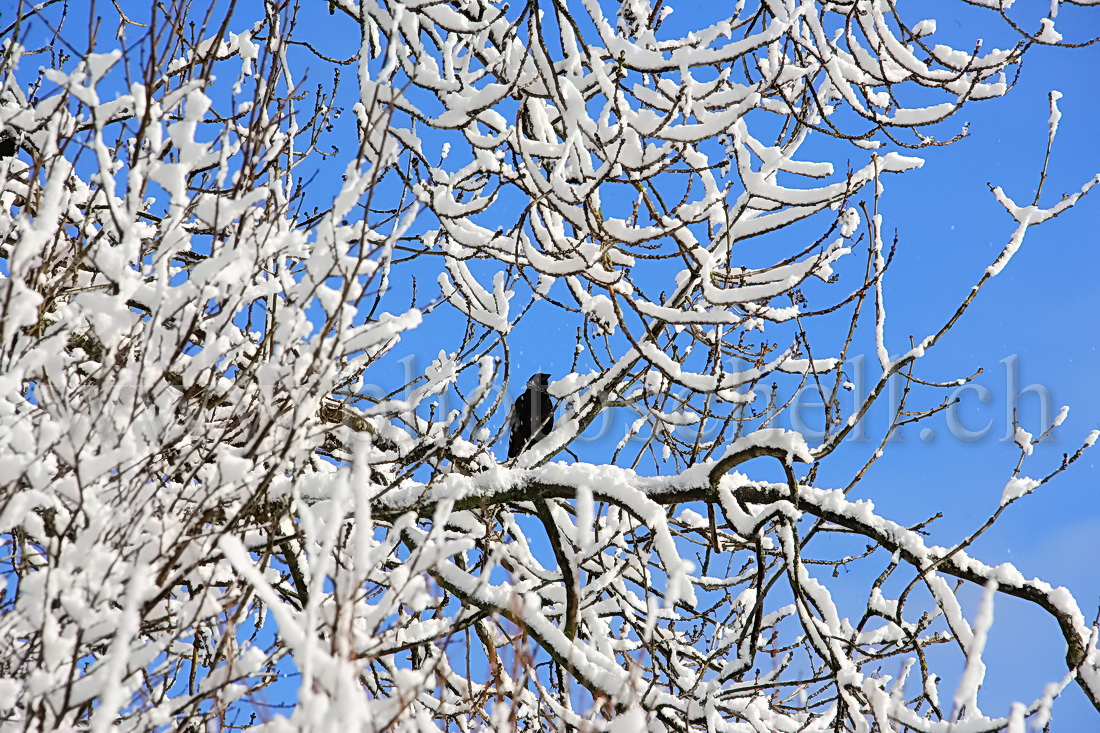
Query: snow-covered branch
262, 320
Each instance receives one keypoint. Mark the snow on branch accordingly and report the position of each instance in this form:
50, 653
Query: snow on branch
269, 284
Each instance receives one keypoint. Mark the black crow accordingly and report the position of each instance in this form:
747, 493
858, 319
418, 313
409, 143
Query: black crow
532, 416
7, 145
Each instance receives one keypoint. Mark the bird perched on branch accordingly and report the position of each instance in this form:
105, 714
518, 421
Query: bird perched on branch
8, 145
532, 416
532, 420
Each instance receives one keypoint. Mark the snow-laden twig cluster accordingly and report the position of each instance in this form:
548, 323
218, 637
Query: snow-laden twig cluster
221, 506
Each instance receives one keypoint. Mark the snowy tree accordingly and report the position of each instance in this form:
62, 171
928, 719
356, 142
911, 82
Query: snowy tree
223, 501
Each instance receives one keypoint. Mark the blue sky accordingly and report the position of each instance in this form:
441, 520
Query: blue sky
1039, 315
